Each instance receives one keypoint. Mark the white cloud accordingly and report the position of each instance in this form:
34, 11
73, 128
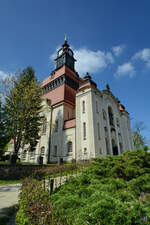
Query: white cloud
3, 75
92, 61
143, 55
54, 54
118, 50
88, 60
126, 69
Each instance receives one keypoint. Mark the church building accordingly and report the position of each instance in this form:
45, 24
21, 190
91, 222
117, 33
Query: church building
81, 122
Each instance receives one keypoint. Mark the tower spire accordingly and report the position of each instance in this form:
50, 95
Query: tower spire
66, 38
65, 45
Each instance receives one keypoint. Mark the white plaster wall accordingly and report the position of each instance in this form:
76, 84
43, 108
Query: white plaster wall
86, 117
69, 135
57, 137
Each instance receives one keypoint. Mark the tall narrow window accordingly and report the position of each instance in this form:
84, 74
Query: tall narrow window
111, 117
98, 131
83, 106
121, 147
56, 126
42, 151
55, 151
24, 154
96, 107
69, 146
85, 151
104, 115
32, 155
107, 146
44, 126
118, 124
84, 131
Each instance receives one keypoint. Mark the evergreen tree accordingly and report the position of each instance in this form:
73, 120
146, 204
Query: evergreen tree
3, 132
22, 108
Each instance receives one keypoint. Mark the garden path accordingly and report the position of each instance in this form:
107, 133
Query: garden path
9, 196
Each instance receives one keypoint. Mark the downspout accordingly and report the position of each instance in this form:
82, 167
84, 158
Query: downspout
50, 135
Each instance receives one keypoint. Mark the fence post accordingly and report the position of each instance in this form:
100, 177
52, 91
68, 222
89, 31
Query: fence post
51, 185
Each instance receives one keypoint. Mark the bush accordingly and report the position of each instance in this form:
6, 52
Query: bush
35, 207
112, 190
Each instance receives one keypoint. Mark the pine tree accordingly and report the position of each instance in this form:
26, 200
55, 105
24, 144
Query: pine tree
23, 107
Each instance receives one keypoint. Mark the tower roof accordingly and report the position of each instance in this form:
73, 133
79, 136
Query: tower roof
65, 45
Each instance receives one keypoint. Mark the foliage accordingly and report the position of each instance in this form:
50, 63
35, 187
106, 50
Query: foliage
138, 139
22, 108
4, 138
55, 171
35, 207
112, 190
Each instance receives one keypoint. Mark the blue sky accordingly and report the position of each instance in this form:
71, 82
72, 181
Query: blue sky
111, 40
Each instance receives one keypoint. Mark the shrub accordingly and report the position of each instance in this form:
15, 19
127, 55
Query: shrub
35, 207
112, 190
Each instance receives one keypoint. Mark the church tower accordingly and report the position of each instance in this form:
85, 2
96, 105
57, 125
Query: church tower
65, 56
60, 88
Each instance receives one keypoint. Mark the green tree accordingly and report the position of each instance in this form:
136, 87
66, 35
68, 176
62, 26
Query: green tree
138, 139
4, 138
22, 108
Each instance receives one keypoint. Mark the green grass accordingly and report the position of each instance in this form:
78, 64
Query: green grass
6, 182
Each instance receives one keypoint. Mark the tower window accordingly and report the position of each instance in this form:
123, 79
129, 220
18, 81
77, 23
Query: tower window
84, 131
83, 106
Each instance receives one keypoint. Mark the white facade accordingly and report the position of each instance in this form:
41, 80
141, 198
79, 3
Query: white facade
93, 135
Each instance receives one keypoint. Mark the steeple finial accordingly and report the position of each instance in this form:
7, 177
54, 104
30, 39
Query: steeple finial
65, 45
66, 38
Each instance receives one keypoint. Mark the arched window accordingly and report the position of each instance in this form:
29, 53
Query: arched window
111, 118
42, 151
83, 106
69, 147
44, 126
